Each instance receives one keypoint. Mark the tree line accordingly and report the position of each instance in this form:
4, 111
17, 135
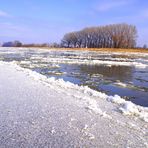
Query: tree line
20, 44
109, 36
12, 44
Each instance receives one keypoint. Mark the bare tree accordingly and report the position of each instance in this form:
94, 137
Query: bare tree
110, 36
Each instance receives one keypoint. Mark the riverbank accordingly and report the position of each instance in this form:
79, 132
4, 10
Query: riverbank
41, 112
100, 49
87, 49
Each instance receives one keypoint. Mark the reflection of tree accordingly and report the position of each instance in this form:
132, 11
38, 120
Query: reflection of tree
123, 73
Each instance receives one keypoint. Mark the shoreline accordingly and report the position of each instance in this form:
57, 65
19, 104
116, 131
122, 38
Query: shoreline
91, 49
100, 49
105, 49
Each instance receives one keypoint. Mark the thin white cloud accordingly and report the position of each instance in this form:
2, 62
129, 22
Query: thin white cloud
144, 13
4, 14
107, 5
7, 26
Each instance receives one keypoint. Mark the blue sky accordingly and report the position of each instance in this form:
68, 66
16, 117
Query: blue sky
48, 20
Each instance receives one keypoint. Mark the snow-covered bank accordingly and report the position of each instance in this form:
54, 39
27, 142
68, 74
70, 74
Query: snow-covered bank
37, 111
126, 107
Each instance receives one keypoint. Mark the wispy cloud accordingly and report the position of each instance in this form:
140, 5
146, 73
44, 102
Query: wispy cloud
144, 13
107, 5
141, 15
10, 26
4, 14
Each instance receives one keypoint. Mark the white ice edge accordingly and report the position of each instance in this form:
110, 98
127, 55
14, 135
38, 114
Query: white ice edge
126, 107
93, 62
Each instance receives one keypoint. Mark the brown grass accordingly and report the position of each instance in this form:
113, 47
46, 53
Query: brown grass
101, 49
96, 49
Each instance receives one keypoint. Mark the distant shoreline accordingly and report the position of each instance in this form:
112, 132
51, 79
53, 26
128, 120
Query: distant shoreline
136, 50
105, 49
98, 49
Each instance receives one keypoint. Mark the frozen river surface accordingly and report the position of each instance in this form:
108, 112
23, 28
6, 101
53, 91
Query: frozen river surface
125, 74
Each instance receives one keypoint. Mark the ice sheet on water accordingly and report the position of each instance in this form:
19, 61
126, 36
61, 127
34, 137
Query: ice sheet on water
93, 61
120, 84
131, 86
82, 57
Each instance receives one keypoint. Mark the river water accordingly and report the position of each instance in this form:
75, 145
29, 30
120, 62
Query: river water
113, 73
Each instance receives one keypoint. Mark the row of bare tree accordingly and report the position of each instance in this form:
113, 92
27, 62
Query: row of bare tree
110, 36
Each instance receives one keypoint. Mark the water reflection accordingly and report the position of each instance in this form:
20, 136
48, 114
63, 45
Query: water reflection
122, 73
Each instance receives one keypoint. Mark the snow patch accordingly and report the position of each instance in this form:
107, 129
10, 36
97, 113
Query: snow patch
116, 99
129, 108
93, 106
